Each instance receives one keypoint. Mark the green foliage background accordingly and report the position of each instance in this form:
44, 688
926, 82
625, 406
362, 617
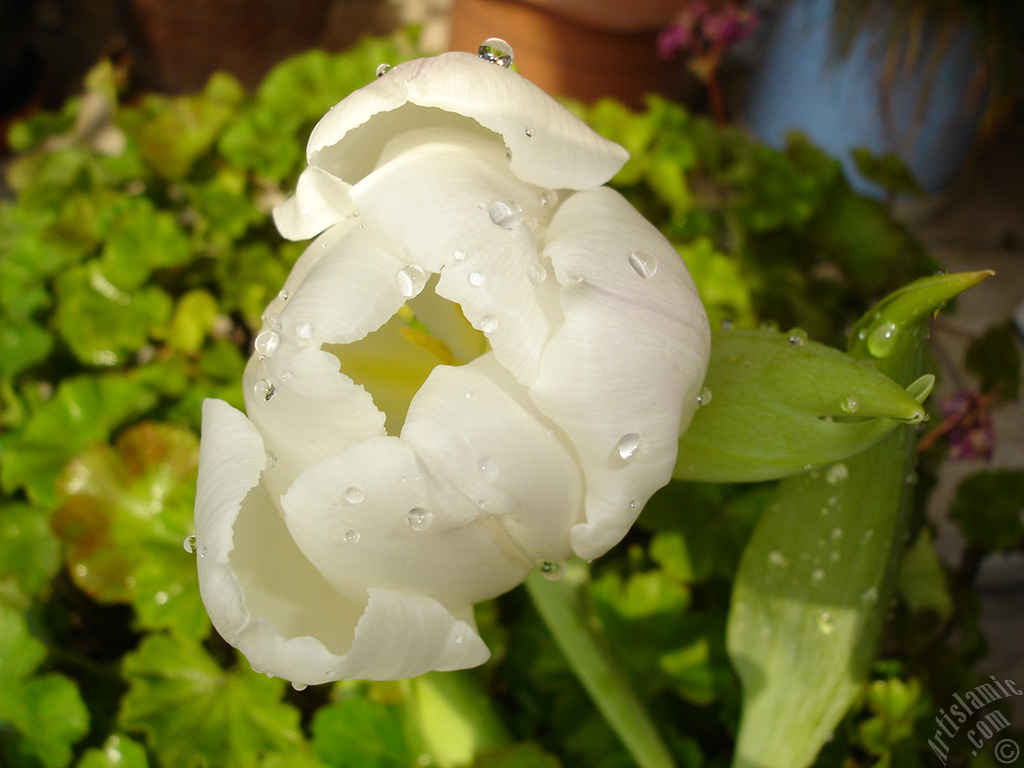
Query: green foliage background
131, 282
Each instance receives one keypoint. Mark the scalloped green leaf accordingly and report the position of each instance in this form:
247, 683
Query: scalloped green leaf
118, 751
357, 732
194, 714
29, 553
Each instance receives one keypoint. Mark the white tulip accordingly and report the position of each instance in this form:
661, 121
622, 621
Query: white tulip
343, 539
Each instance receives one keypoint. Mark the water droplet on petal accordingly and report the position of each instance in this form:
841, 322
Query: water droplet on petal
507, 214
549, 198
476, 279
299, 686
459, 255
354, 495
304, 330
273, 321
529, 132
634, 505
190, 544
643, 263
797, 337
849, 404
704, 397
488, 468
271, 460
420, 518
552, 571
352, 536
488, 324
286, 374
471, 395
283, 295
836, 473
496, 51
382, 69
536, 273
629, 446
882, 340
264, 389
266, 343
411, 281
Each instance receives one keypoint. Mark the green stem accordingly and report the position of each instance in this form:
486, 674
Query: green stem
576, 633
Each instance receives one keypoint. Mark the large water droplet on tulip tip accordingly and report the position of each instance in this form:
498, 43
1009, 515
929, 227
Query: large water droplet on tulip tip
299, 686
383, 69
488, 468
411, 281
552, 571
190, 544
264, 389
420, 518
797, 337
354, 495
266, 343
628, 446
507, 214
643, 263
496, 51
352, 536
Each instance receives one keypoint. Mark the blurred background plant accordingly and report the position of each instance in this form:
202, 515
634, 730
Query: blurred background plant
137, 256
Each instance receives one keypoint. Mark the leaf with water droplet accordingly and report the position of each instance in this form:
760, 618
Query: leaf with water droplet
780, 409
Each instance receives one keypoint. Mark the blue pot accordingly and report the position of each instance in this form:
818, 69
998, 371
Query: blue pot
928, 115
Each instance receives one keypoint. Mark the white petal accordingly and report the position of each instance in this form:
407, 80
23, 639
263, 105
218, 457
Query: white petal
629, 359
434, 201
266, 599
550, 147
320, 200
475, 426
377, 516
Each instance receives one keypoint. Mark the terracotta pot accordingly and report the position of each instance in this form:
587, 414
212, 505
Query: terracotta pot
179, 43
571, 52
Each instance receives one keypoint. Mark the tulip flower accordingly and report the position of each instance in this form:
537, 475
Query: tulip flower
480, 366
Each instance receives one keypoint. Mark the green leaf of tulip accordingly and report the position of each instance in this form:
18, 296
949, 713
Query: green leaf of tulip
776, 404
819, 571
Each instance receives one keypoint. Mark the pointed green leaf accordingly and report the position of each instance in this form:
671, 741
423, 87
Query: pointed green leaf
193, 713
819, 570
781, 404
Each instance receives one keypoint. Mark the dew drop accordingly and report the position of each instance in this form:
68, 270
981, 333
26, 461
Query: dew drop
496, 51
507, 214
869, 596
283, 295
266, 343
352, 536
161, 598
536, 273
459, 255
704, 397
476, 279
529, 131
304, 330
825, 625
869, 534
286, 374
797, 337
552, 571
849, 404
629, 446
305, 210
726, 324
273, 321
420, 518
488, 468
488, 324
271, 460
471, 395
299, 686
354, 495
383, 69
634, 505
643, 263
411, 280
837, 473
837, 534
190, 544
264, 389
817, 575
882, 340
549, 198
776, 558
